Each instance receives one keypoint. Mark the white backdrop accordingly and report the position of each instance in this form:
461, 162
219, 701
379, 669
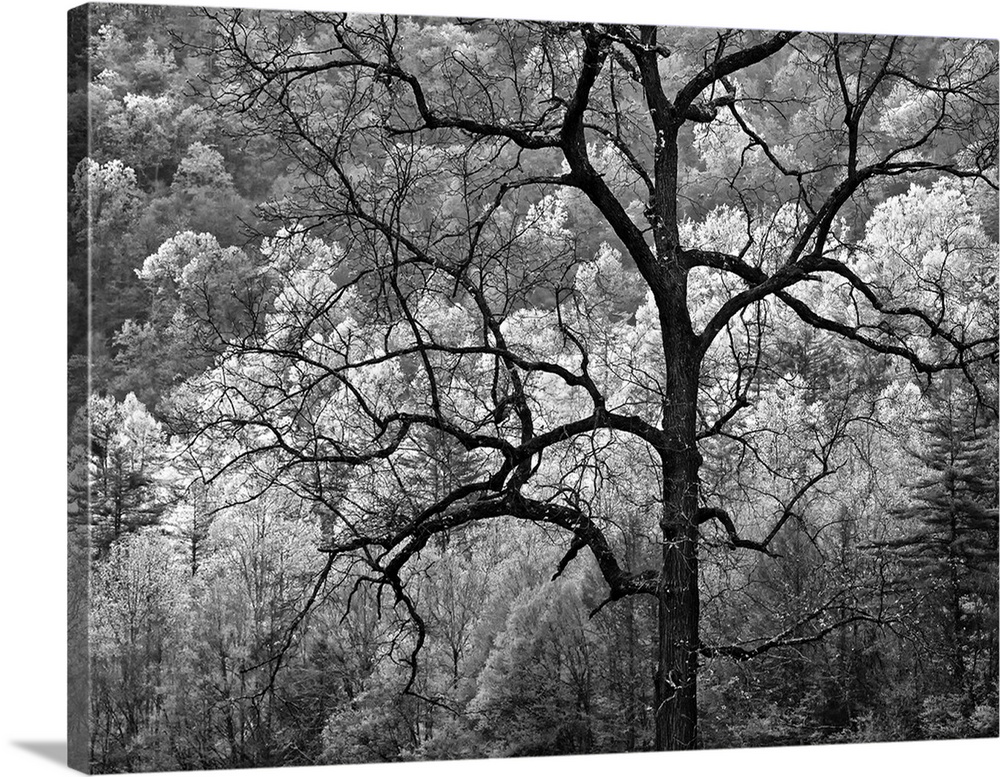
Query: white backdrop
32, 381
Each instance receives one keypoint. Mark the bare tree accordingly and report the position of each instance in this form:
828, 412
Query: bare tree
434, 153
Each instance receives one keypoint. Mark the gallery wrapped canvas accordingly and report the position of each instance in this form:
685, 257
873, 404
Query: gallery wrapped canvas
468, 388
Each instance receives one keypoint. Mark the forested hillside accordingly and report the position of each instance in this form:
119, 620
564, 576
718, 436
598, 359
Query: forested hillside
471, 388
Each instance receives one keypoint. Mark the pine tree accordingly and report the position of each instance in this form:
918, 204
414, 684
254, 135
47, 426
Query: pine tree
949, 541
127, 455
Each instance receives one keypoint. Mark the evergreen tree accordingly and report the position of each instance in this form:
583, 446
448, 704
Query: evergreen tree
949, 542
128, 484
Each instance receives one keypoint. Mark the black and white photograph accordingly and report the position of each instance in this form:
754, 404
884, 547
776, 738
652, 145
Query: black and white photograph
471, 387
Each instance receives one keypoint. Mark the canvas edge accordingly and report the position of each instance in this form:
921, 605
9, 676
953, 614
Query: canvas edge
78, 22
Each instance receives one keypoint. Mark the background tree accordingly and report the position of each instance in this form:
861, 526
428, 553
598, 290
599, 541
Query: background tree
136, 597
949, 541
128, 487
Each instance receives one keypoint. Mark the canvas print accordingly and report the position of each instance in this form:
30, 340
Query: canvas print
469, 388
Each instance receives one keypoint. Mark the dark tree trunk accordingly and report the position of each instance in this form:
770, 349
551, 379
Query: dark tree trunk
677, 667
676, 697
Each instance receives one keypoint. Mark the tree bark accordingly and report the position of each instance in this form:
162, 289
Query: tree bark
677, 668
676, 695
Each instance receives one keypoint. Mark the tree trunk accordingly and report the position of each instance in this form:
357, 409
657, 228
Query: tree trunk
676, 697
677, 667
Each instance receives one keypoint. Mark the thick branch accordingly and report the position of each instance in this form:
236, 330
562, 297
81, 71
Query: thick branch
620, 582
726, 66
735, 541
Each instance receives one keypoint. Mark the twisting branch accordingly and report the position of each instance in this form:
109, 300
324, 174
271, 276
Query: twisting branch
727, 66
735, 541
786, 639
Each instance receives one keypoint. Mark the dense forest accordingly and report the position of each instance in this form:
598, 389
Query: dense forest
461, 388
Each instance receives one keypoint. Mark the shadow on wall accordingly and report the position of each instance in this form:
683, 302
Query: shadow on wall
51, 751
